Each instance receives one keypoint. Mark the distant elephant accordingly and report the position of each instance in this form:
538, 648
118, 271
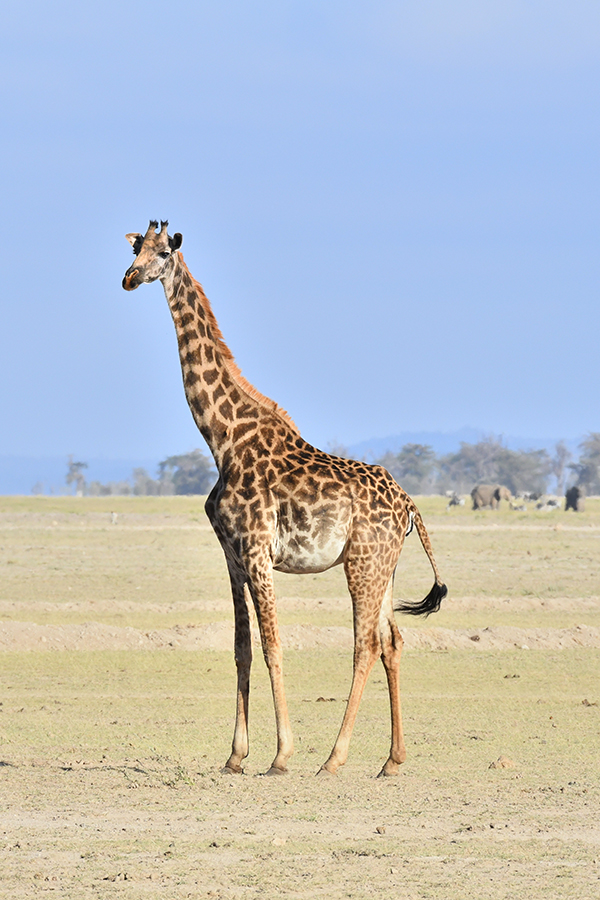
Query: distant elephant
489, 495
575, 499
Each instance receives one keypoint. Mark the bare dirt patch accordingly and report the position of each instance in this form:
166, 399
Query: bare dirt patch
111, 784
219, 636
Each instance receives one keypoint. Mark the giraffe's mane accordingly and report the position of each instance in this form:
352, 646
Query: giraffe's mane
230, 364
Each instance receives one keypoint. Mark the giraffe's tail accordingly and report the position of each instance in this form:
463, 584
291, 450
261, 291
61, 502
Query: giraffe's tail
433, 600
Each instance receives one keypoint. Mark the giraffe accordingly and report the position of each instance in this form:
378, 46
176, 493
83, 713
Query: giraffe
280, 503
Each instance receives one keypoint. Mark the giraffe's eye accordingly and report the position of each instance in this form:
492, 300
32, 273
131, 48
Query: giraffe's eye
165, 254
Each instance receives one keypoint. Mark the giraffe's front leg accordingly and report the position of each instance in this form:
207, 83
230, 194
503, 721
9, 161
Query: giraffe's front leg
260, 583
243, 661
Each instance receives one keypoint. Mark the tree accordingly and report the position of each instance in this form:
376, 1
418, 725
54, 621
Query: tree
472, 464
75, 475
587, 469
336, 449
490, 462
188, 473
113, 488
414, 467
525, 470
562, 456
144, 485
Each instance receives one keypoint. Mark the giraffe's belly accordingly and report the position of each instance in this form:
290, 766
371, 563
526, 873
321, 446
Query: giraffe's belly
298, 553
305, 565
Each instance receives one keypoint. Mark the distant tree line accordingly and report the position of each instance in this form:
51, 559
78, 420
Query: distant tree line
421, 471
187, 473
416, 467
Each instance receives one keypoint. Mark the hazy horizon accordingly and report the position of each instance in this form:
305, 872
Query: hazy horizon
21, 474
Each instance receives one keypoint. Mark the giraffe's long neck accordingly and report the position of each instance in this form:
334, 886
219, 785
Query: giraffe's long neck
225, 407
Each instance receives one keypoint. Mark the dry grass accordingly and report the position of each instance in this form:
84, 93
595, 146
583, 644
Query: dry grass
63, 560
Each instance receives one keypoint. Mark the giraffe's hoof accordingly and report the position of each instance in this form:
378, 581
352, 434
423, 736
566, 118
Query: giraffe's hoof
275, 771
390, 769
232, 770
324, 772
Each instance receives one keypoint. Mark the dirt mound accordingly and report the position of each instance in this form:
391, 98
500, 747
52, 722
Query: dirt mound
219, 636
501, 637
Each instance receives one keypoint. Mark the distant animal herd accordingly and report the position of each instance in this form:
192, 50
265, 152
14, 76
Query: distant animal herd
488, 496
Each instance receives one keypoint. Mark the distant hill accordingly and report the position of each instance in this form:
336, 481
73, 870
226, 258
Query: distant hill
444, 442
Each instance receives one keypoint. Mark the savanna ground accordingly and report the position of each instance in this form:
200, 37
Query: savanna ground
116, 713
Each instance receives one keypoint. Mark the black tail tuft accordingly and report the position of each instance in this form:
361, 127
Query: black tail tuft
429, 605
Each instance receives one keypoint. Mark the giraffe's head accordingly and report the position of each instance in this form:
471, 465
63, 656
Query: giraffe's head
152, 255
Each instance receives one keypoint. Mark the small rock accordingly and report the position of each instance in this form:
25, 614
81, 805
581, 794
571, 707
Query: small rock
278, 841
380, 829
503, 762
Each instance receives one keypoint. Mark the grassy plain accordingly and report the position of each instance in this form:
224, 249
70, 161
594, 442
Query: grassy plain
109, 760
63, 559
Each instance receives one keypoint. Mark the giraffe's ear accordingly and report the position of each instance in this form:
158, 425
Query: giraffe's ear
176, 241
136, 240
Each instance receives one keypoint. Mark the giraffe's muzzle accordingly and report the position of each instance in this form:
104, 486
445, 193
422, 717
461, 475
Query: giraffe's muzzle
130, 281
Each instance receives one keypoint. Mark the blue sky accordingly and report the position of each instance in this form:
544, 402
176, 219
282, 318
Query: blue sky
393, 206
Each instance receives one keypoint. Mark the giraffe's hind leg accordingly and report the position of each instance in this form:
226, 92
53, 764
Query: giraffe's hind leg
391, 650
367, 588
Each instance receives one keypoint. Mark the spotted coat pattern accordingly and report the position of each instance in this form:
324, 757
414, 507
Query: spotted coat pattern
280, 503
